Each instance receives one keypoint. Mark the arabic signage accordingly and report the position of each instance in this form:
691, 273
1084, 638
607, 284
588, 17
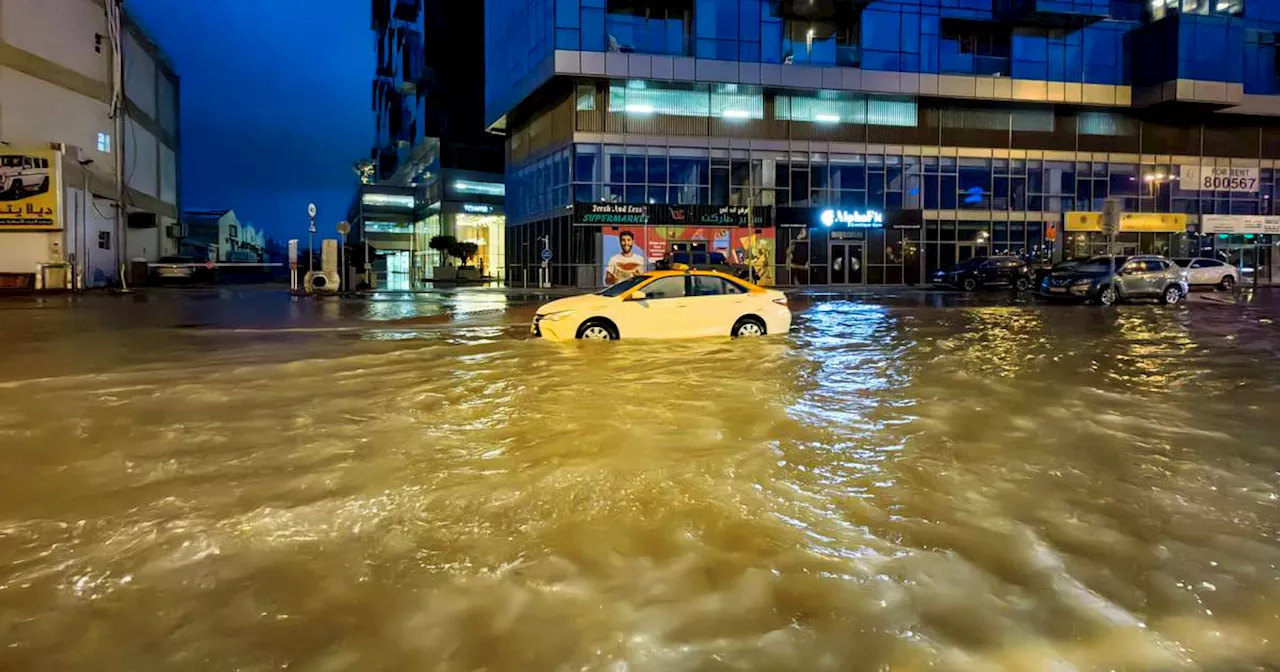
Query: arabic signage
29, 190
642, 214
1240, 224
1218, 178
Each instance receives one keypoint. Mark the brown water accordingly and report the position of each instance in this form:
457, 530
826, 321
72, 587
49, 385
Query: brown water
415, 486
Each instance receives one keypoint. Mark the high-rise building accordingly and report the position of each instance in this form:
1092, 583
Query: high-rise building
89, 144
435, 168
870, 142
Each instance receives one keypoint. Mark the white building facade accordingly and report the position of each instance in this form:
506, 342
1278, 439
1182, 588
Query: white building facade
58, 81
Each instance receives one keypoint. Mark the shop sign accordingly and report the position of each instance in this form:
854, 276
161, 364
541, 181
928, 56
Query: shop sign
477, 208
1239, 224
610, 213
1146, 222
1218, 178
854, 219
29, 182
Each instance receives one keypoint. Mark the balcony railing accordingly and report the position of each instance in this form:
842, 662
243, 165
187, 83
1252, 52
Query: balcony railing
817, 10
1056, 14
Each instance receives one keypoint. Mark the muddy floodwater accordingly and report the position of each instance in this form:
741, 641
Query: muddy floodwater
240, 482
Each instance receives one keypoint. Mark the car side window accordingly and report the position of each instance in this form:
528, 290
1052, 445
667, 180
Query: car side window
706, 285
731, 287
670, 287
1210, 263
1199, 263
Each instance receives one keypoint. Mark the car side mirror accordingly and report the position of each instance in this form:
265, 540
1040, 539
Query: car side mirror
637, 296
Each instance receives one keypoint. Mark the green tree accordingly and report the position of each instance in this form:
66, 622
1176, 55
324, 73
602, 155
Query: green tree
444, 245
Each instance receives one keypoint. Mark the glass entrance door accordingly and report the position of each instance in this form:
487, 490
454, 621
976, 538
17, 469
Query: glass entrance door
1253, 261
846, 263
967, 251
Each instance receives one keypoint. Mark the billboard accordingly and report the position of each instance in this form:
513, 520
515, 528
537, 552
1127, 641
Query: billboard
629, 251
29, 190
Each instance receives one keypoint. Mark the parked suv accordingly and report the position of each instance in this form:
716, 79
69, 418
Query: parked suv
1210, 272
1108, 280
979, 272
22, 175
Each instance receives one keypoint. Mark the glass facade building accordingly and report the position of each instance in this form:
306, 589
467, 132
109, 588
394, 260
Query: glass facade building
872, 142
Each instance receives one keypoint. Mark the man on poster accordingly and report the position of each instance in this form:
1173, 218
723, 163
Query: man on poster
626, 264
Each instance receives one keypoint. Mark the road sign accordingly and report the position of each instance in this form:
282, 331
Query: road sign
312, 228
343, 228
311, 210
293, 252
546, 254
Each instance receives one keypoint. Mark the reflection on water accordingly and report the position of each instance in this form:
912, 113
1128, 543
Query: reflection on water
892, 487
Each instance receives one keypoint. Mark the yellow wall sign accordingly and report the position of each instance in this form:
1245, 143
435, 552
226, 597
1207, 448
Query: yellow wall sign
1146, 222
29, 190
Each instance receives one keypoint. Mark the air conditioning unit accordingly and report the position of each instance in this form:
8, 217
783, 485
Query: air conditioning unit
173, 231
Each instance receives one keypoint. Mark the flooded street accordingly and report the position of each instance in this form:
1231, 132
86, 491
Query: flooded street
241, 482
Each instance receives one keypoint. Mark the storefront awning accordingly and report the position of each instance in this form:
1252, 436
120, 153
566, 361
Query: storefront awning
1145, 222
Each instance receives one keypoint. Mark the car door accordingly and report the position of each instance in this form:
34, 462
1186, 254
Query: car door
1196, 271
715, 305
1134, 279
662, 313
988, 272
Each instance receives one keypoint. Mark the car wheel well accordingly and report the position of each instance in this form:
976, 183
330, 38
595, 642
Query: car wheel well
602, 321
750, 317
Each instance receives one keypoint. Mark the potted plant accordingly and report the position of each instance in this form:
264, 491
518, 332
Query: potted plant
445, 245
466, 251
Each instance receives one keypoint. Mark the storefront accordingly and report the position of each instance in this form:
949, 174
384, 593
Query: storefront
1140, 233
848, 247
635, 238
1247, 242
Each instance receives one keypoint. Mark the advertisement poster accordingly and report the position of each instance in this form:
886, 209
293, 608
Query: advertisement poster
631, 251
28, 190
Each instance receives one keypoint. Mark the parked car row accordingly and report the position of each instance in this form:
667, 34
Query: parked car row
1102, 279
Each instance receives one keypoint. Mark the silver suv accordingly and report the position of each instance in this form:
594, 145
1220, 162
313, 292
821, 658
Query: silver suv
1111, 279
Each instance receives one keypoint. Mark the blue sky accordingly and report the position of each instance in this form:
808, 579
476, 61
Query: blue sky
275, 104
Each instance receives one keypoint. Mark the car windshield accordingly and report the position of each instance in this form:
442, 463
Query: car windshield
1067, 264
971, 262
623, 287
1099, 265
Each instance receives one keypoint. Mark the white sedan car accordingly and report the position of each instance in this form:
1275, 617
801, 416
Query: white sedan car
1206, 272
667, 304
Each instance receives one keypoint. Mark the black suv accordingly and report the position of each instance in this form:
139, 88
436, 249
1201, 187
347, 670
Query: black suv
980, 272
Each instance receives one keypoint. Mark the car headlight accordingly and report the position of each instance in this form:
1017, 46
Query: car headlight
1082, 283
553, 317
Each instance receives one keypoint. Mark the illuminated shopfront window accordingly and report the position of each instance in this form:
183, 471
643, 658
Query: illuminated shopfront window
488, 232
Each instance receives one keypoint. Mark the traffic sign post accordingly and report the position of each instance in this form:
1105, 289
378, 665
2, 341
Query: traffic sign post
311, 237
546, 255
343, 229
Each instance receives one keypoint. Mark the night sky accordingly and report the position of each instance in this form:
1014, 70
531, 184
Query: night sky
275, 104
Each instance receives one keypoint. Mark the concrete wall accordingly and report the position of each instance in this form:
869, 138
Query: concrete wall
141, 159
85, 219
139, 76
34, 113
64, 34
23, 250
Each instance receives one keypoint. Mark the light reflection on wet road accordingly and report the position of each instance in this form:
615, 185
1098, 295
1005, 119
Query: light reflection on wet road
211, 481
